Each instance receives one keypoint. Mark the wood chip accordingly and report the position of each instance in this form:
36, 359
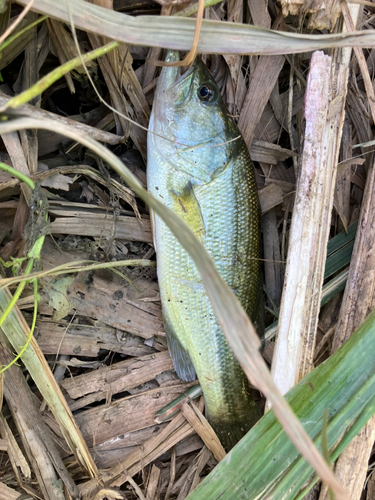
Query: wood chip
204, 430
7, 493
119, 377
125, 415
270, 196
153, 483
268, 152
122, 228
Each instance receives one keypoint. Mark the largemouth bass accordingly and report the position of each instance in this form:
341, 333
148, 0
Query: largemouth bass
199, 166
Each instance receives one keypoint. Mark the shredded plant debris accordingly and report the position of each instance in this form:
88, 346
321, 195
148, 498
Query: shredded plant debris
93, 408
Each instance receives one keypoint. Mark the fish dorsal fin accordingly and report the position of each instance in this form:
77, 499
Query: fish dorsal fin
180, 357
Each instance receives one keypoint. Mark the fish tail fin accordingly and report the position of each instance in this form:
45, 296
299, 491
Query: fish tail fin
232, 429
230, 432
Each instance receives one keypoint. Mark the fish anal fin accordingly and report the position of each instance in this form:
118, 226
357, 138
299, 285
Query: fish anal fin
180, 357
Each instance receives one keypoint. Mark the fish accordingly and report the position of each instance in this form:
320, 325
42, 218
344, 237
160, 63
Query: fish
199, 166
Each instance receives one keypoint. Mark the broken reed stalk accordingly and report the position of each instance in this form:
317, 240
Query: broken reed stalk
300, 303
302, 343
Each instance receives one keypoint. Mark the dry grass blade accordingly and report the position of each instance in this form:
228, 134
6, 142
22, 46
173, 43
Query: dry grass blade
190, 56
17, 331
37, 441
204, 430
28, 110
178, 33
361, 59
236, 325
19, 18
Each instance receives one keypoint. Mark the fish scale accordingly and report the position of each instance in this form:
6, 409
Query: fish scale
199, 166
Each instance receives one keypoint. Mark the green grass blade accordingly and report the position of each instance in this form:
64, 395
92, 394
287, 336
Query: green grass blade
339, 251
338, 260
342, 239
334, 286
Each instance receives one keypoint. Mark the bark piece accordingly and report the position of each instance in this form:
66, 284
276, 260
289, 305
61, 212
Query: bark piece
319, 14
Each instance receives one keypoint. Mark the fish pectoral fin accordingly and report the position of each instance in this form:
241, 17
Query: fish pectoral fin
180, 357
153, 231
186, 205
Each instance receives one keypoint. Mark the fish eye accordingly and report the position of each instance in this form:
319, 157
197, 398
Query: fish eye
206, 93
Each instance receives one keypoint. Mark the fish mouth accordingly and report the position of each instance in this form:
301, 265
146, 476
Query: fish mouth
183, 75
171, 76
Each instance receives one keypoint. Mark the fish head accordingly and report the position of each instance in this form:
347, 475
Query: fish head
191, 120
